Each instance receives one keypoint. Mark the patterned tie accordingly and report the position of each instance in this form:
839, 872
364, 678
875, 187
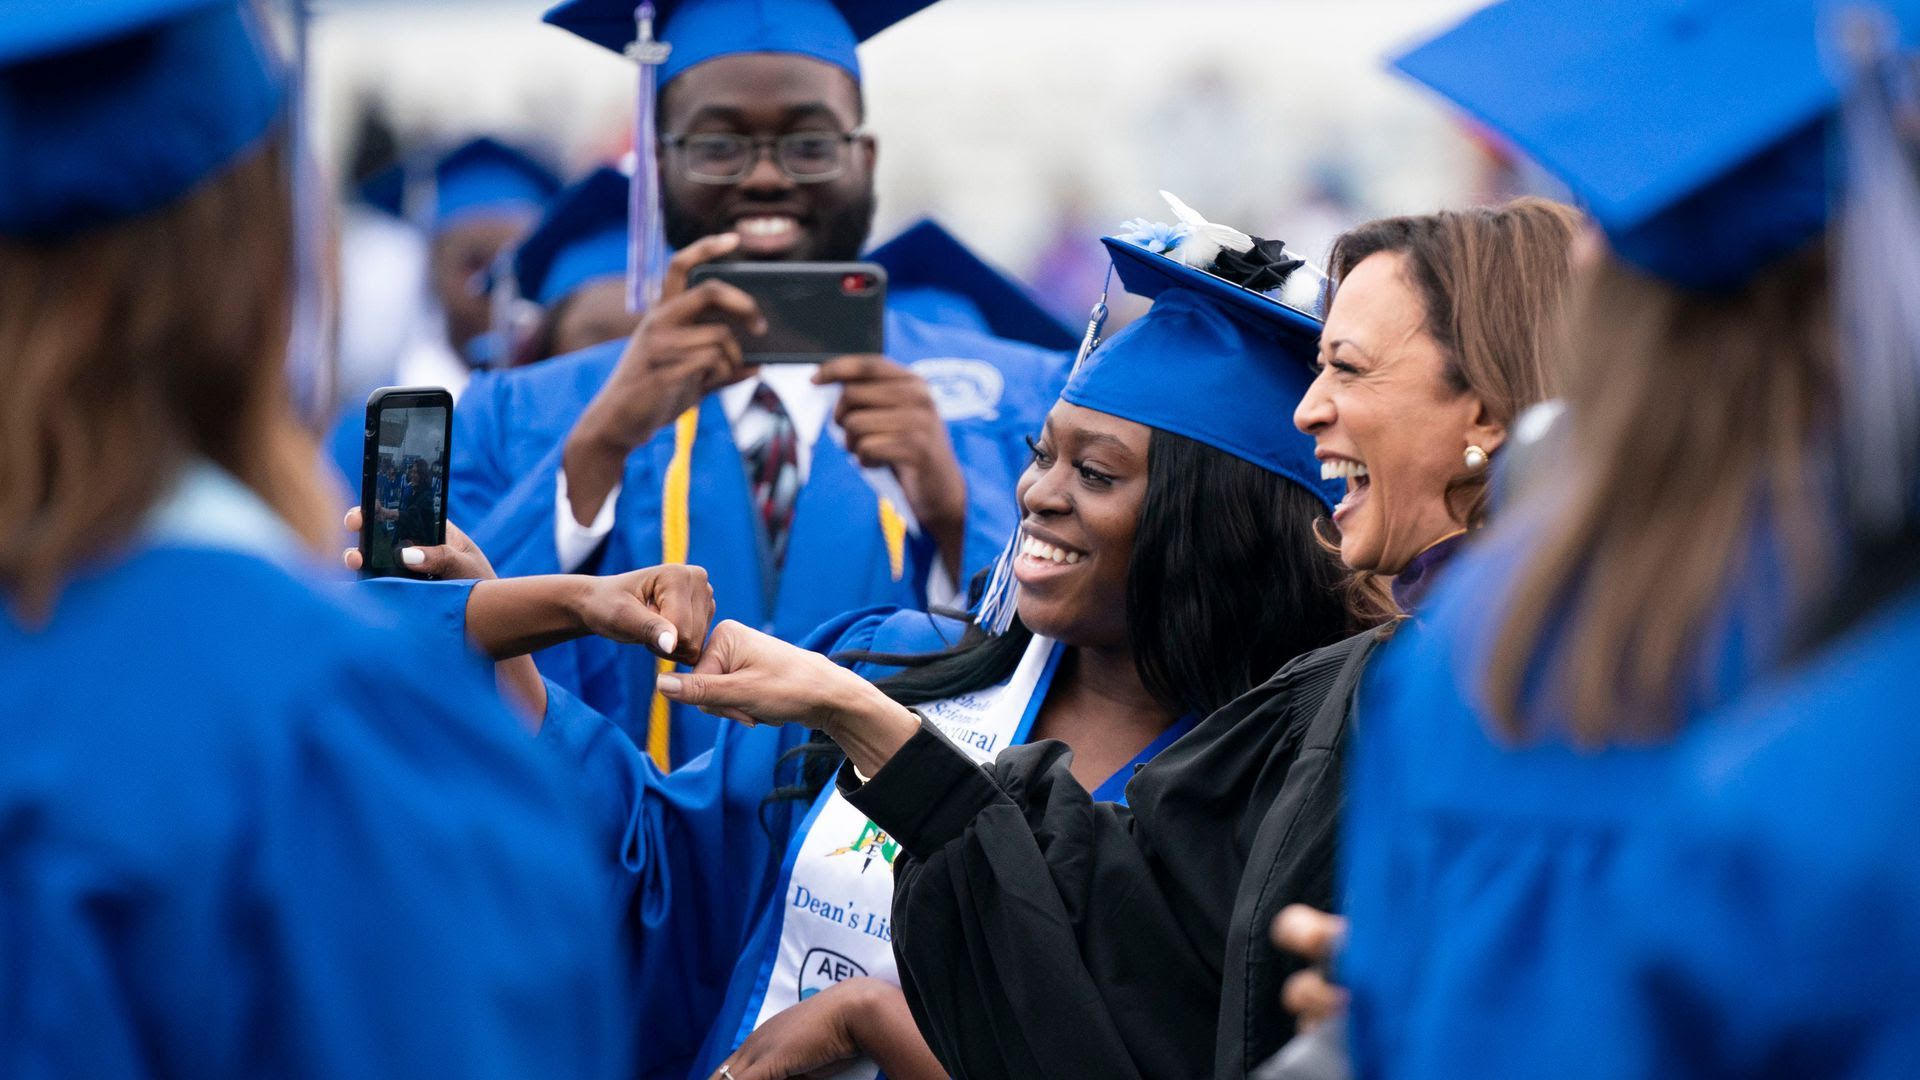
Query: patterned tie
773, 465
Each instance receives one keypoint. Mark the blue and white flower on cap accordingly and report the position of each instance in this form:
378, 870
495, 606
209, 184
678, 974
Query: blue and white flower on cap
1267, 267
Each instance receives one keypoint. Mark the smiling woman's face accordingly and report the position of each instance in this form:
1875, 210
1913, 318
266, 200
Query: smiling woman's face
1081, 498
1384, 416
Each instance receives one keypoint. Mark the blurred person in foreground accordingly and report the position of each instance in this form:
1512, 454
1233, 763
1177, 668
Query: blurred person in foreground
1766, 930
805, 490
1520, 737
246, 832
1042, 933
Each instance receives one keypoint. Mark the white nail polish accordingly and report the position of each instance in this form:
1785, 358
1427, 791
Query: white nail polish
667, 684
412, 556
668, 640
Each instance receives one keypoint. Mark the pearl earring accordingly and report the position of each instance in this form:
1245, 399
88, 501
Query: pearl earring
1476, 459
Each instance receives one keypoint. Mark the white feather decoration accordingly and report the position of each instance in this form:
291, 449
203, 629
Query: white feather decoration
1206, 239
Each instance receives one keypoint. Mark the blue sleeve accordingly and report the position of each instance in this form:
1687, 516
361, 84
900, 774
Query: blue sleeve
432, 614
885, 629
691, 853
848, 631
517, 530
434, 907
479, 476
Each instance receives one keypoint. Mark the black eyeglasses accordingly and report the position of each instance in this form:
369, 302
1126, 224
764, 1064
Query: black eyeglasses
806, 157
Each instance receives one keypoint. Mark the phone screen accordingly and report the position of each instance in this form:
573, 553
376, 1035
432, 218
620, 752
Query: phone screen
404, 489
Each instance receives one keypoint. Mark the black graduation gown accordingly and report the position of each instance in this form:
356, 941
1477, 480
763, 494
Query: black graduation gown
1042, 934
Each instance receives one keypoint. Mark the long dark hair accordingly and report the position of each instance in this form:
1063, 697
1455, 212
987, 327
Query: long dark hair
1227, 582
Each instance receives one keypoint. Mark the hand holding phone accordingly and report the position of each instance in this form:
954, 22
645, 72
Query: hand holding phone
403, 480
685, 348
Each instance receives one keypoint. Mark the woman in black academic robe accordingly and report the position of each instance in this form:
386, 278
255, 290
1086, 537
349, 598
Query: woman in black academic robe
1040, 933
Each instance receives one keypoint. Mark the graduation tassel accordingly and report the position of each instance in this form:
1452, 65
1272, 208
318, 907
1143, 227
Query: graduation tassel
503, 309
1001, 598
645, 235
1877, 278
310, 362
1096, 322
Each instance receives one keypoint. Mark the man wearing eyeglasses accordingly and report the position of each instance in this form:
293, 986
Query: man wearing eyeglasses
667, 446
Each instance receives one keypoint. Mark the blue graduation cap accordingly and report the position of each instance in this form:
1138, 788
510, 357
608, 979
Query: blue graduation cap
582, 238
112, 108
1695, 131
701, 30
485, 178
929, 271
1213, 360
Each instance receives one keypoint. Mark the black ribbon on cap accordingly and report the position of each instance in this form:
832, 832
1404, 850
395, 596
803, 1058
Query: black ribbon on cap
1263, 267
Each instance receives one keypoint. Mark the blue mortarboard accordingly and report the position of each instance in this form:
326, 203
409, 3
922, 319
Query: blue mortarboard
928, 269
1696, 131
1215, 362
582, 238
701, 30
112, 108
484, 178
1212, 360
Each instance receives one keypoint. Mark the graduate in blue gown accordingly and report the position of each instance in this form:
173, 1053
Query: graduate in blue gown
871, 480
1113, 625
480, 199
247, 831
1516, 740
1767, 930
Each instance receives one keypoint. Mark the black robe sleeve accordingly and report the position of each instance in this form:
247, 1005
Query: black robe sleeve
1039, 933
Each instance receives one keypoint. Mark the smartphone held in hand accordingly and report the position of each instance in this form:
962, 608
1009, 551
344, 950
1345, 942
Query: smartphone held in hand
814, 311
403, 475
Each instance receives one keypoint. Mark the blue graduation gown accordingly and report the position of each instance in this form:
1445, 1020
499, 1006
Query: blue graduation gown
1768, 929
245, 831
696, 851
508, 434
1477, 871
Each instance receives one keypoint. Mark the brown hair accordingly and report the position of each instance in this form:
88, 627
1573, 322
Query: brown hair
1495, 284
129, 349
1691, 418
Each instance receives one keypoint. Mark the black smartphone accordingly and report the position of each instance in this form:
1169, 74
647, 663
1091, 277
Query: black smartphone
403, 475
814, 311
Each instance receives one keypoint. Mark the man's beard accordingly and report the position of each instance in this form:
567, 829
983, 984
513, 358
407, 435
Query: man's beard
841, 237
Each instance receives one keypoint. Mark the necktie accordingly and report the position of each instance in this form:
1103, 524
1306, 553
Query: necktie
773, 466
